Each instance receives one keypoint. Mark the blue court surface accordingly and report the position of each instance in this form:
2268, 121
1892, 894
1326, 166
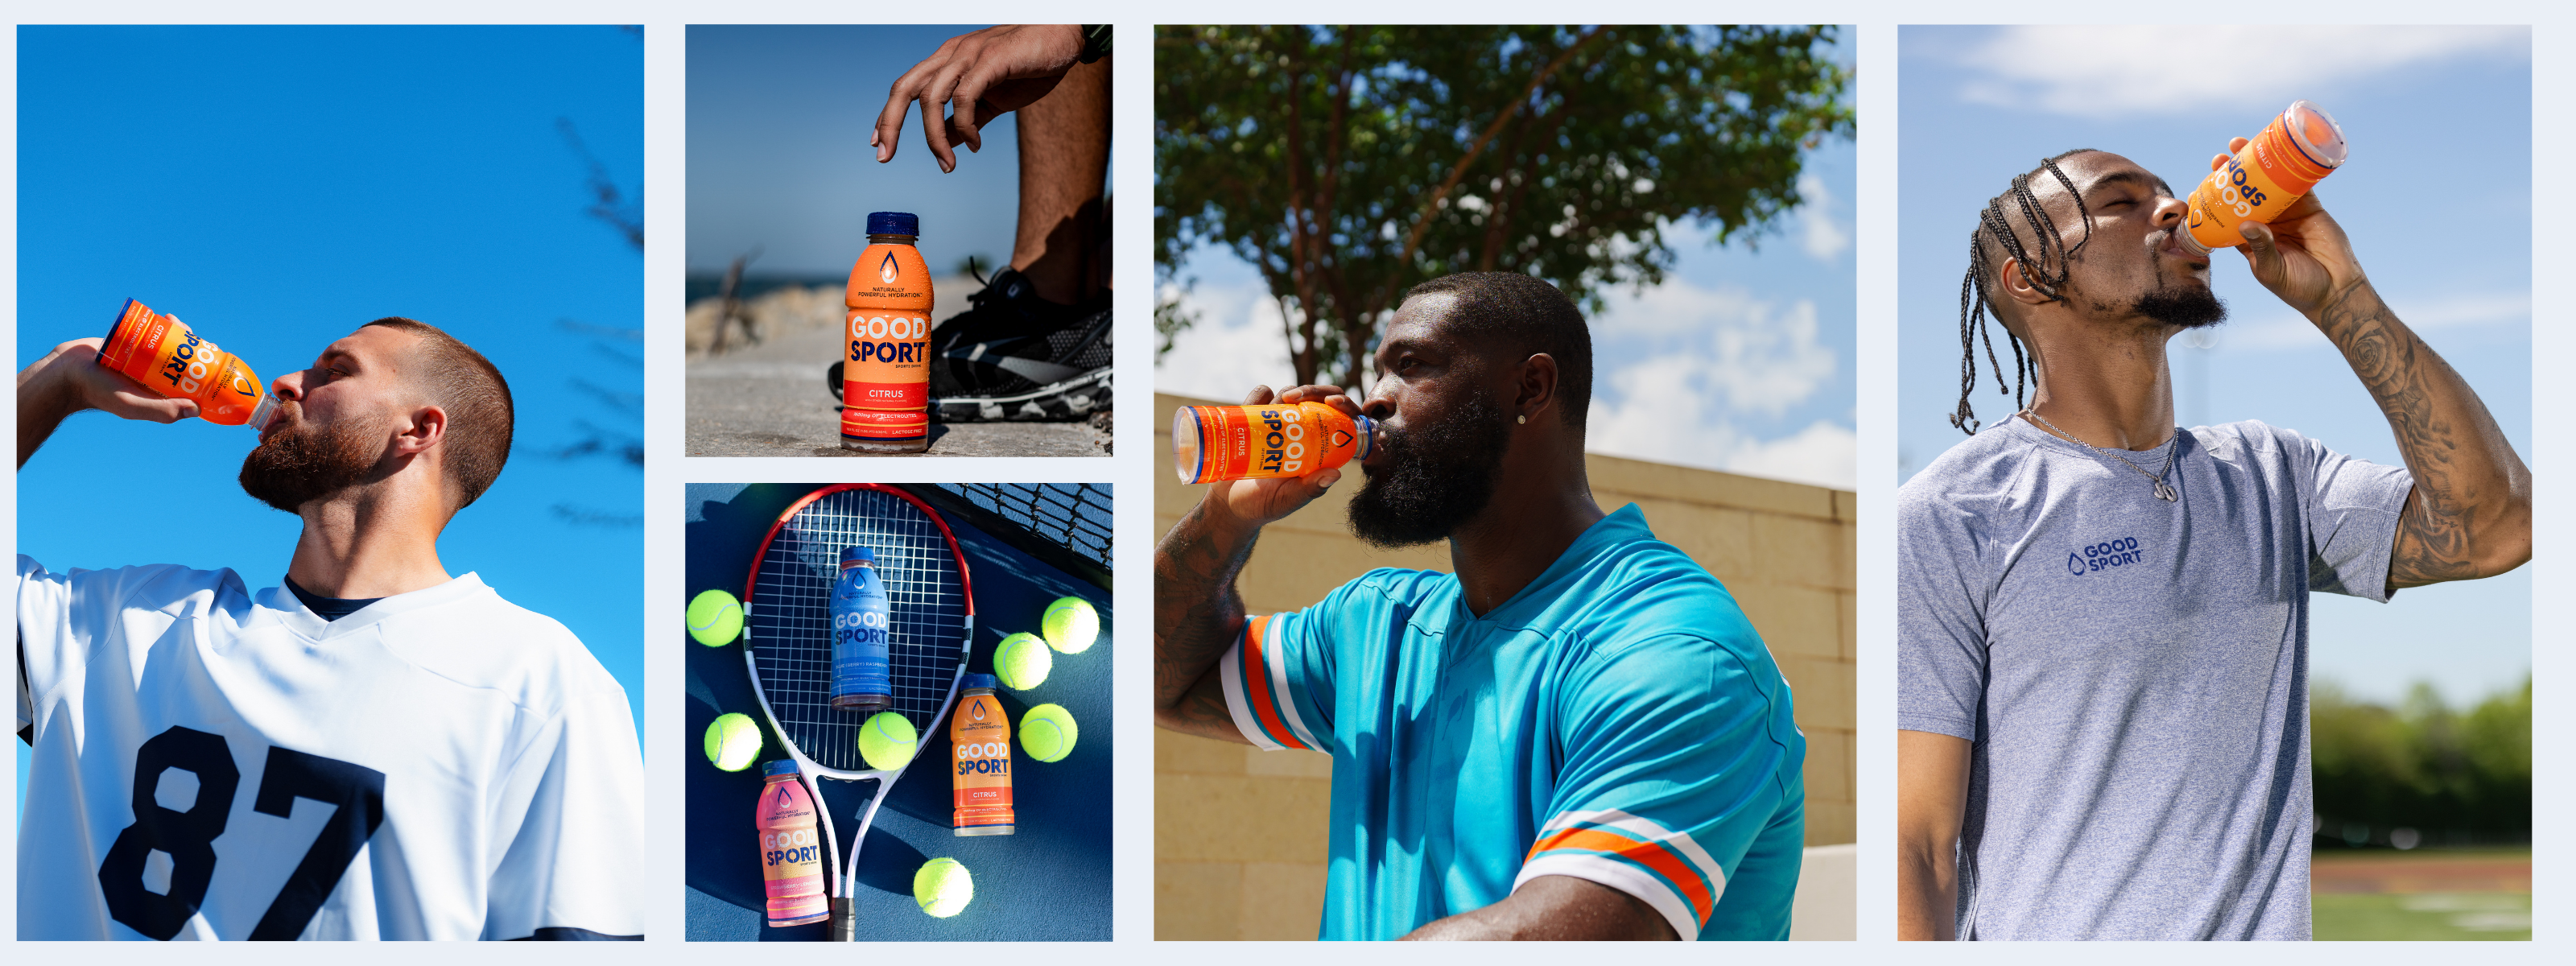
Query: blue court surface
1049, 881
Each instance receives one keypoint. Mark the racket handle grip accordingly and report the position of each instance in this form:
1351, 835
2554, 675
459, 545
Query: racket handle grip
844, 925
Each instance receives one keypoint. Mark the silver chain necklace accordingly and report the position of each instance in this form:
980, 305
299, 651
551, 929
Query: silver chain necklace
2163, 492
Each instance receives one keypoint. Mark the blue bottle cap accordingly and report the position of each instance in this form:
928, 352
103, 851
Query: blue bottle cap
782, 766
894, 223
982, 681
850, 555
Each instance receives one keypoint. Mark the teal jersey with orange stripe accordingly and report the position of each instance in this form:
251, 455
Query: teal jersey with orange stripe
1617, 720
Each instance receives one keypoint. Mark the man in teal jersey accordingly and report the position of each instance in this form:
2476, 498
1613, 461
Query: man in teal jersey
1577, 735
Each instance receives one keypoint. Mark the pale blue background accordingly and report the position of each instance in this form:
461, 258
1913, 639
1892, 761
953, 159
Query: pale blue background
277, 187
2437, 198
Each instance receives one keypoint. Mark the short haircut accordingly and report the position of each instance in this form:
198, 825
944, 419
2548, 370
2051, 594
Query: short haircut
1525, 316
476, 399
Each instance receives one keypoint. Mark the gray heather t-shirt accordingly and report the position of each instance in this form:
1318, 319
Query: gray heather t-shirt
2134, 673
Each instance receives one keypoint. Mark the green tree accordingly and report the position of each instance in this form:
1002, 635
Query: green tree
1349, 163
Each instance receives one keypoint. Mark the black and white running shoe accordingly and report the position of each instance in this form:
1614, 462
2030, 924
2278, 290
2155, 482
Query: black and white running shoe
1016, 357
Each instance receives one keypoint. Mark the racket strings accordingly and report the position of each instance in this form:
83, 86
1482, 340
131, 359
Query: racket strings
791, 618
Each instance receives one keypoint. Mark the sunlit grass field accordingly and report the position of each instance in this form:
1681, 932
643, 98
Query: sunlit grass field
2428, 894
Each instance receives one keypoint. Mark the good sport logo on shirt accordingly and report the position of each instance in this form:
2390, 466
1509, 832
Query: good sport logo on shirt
2120, 552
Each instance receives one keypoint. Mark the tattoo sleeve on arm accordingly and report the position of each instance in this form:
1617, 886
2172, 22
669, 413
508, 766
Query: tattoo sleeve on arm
2470, 513
1197, 614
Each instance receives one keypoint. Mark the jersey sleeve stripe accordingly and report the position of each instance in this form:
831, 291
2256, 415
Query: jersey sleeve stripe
1229, 674
1643, 829
1610, 845
1259, 688
1626, 878
1275, 659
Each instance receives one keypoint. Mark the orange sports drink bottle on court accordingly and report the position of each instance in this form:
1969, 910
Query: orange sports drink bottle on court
1212, 443
2278, 167
981, 737
791, 850
885, 357
162, 353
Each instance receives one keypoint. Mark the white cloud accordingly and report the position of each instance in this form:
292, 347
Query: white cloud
1703, 358
1238, 343
2278, 328
2108, 71
1761, 356
1821, 231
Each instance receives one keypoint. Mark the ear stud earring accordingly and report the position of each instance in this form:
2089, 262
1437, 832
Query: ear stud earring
1524, 420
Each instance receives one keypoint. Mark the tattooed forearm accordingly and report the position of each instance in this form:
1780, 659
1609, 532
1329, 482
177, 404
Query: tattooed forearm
1196, 616
2470, 513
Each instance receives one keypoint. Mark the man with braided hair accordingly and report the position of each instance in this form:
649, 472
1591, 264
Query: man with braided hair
2103, 618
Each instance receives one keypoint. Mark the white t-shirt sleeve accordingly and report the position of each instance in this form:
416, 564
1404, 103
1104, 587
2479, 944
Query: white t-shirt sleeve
574, 869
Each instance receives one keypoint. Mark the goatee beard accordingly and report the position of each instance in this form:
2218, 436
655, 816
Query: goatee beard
301, 462
1433, 479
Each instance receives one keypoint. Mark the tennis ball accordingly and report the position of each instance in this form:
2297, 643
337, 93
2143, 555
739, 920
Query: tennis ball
715, 618
887, 740
1022, 662
733, 742
1047, 732
1070, 625
943, 887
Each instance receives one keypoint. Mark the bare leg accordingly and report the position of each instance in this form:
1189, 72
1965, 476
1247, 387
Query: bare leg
1064, 159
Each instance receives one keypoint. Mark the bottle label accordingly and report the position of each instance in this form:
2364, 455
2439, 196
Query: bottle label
982, 759
791, 854
859, 644
885, 355
2257, 184
1259, 442
164, 354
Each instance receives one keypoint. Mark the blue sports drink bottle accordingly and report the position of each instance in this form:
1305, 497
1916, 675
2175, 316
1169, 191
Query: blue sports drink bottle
860, 681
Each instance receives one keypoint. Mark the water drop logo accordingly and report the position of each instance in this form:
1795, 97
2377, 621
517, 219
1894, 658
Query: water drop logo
887, 270
2075, 565
979, 710
1341, 439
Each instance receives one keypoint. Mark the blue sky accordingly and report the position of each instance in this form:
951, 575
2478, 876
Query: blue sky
1740, 361
2446, 106
779, 118
277, 187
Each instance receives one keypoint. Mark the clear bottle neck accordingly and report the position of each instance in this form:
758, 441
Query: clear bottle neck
892, 239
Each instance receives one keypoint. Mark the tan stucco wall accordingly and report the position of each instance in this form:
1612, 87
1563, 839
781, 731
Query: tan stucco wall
1239, 834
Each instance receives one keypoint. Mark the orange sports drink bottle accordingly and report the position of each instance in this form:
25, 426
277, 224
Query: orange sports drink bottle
2279, 166
1212, 443
981, 737
791, 850
165, 355
885, 361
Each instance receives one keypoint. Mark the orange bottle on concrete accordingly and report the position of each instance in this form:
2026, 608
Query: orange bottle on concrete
162, 353
1211, 443
2277, 168
980, 736
791, 849
885, 355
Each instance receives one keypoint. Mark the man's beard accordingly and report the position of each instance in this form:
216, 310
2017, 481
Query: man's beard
301, 462
1432, 479
2186, 306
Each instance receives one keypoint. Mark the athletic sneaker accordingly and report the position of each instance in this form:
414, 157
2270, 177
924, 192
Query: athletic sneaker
1016, 357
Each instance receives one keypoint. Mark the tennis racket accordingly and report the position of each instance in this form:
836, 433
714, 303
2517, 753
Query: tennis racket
787, 642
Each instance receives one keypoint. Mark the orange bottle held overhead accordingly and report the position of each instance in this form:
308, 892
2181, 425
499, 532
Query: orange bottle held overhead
885, 356
162, 353
1212, 443
981, 749
2277, 168
791, 849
